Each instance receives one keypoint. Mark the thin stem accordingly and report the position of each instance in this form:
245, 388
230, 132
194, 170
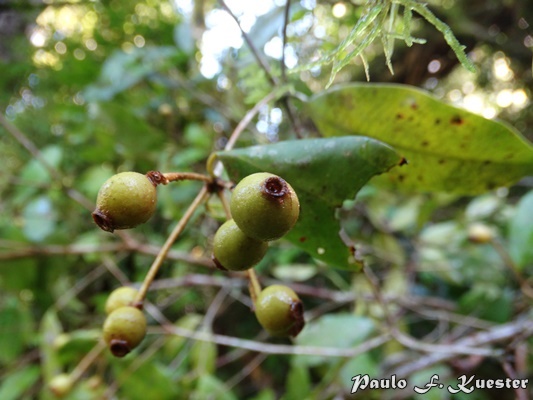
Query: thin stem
86, 361
250, 44
254, 286
284, 35
182, 176
268, 348
411, 342
241, 126
225, 203
250, 115
150, 276
20, 137
522, 327
520, 393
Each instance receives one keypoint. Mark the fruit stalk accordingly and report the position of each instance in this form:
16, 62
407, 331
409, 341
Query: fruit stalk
182, 176
154, 268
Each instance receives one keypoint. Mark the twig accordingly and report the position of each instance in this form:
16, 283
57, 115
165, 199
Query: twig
252, 47
241, 126
522, 327
284, 35
249, 117
20, 137
520, 393
77, 249
86, 361
150, 276
182, 176
81, 284
411, 342
245, 371
268, 348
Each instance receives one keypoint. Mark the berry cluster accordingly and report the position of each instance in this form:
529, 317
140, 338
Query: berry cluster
125, 325
264, 207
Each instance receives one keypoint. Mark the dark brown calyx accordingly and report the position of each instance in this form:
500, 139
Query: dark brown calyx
217, 264
119, 348
297, 315
157, 178
103, 221
274, 188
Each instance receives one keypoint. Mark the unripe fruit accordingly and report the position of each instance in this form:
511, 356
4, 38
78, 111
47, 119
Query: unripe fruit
279, 311
61, 385
235, 251
480, 233
124, 329
120, 297
124, 201
264, 206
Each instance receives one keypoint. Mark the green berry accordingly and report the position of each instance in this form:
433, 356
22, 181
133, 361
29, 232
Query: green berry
279, 311
264, 206
120, 297
480, 233
124, 329
124, 201
61, 385
234, 251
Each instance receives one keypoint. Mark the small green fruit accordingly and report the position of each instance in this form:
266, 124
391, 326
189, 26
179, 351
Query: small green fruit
124, 201
234, 251
124, 329
279, 310
480, 233
120, 297
264, 206
61, 385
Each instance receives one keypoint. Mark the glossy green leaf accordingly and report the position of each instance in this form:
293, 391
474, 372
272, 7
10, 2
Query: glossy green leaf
323, 172
447, 148
521, 232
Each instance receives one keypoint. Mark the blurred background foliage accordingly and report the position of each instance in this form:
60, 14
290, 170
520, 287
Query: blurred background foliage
88, 88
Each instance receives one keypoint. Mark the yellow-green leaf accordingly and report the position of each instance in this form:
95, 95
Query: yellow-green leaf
447, 148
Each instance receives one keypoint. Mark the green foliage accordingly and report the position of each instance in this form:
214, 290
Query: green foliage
303, 163
91, 89
447, 149
379, 20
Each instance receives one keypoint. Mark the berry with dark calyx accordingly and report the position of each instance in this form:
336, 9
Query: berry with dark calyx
264, 206
61, 385
235, 251
120, 297
124, 201
124, 329
279, 311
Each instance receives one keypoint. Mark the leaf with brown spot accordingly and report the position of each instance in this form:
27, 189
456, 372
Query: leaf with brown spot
447, 145
324, 173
